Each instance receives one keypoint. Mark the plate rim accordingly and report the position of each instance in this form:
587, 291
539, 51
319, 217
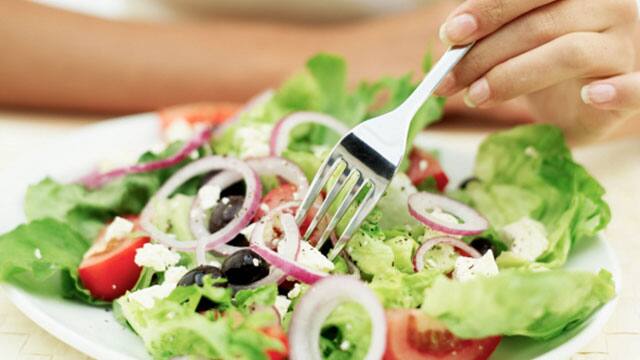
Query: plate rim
22, 300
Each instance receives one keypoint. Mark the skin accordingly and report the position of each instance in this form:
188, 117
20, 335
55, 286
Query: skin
120, 67
578, 72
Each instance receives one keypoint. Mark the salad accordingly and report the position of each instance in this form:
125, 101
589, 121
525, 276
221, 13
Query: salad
195, 248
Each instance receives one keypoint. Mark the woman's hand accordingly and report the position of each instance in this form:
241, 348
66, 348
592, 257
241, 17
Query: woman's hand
554, 52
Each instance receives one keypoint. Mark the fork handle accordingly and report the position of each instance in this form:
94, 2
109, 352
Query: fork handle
431, 81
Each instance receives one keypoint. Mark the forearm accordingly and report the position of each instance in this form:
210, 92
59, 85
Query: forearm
56, 59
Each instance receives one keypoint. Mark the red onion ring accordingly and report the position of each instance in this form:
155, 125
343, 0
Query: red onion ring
418, 258
96, 179
268, 166
229, 231
317, 304
288, 266
472, 222
280, 133
258, 100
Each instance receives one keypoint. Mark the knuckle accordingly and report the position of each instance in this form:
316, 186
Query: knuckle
492, 12
546, 26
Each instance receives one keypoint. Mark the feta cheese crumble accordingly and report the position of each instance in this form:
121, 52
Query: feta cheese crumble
156, 256
147, 297
345, 345
282, 304
530, 151
208, 196
295, 292
254, 140
467, 268
527, 238
312, 258
37, 253
119, 228
178, 130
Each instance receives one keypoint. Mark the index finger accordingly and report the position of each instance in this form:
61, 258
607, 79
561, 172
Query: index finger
475, 19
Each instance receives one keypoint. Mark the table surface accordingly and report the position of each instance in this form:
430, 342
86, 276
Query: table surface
615, 163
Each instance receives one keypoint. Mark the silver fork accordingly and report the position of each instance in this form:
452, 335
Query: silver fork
368, 157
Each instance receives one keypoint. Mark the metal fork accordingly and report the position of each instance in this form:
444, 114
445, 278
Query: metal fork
368, 157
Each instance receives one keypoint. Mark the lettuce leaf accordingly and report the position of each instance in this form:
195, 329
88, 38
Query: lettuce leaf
518, 302
172, 327
43, 257
346, 333
529, 172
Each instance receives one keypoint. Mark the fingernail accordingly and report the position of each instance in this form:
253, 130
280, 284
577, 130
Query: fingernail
447, 85
598, 93
478, 93
458, 29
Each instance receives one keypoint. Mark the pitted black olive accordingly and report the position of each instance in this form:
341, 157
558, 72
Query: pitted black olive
463, 185
236, 189
223, 213
195, 275
244, 267
483, 245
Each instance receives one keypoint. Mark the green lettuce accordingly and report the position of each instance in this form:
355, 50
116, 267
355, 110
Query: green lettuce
518, 302
172, 327
396, 289
529, 172
346, 333
43, 257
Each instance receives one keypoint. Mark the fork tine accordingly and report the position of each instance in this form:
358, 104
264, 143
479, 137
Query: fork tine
353, 190
326, 169
331, 196
367, 204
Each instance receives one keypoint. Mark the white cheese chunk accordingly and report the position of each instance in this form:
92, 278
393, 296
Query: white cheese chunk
119, 228
295, 292
147, 297
254, 140
37, 253
282, 305
178, 130
527, 238
313, 259
467, 268
208, 196
156, 256
174, 274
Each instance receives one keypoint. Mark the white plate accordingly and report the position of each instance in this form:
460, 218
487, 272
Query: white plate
94, 331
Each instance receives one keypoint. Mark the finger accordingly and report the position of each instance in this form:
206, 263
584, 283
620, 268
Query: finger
529, 32
476, 18
576, 55
617, 93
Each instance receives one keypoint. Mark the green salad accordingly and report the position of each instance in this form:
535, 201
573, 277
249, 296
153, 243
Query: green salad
195, 247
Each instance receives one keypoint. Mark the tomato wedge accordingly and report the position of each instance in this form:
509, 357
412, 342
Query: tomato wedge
412, 335
108, 269
424, 166
277, 333
282, 195
198, 113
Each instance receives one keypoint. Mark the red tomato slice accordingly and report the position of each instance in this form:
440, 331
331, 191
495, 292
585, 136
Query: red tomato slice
277, 333
412, 335
423, 166
198, 113
108, 269
282, 195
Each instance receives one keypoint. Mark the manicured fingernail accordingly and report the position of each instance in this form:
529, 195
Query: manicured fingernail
598, 93
458, 29
478, 93
447, 85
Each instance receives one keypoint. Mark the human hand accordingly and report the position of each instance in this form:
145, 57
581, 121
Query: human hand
552, 52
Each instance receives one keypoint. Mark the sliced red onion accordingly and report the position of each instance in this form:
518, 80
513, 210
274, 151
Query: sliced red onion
253, 103
289, 267
418, 258
268, 166
422, 204
319, 302
229, 231
96, 179
280, 134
